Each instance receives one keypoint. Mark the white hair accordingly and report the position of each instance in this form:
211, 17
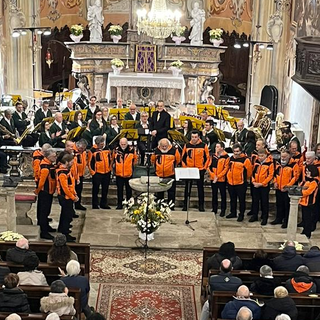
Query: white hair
53, 316
282, 316
14, 316
244, 313
73, 268
311, 154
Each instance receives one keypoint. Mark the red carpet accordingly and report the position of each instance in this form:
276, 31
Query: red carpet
141, 302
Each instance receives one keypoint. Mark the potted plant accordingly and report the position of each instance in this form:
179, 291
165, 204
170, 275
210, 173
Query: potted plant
216, 37
178, 35
115, 32
76, 32
117, 65
147, 222
175, 67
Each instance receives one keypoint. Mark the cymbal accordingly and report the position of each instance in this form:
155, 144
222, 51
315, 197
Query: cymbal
262, 108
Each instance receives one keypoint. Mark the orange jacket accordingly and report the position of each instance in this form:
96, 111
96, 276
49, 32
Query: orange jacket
309, 195
254, 157
65, 183
263, 172
124, 161
219, 166
240, 170
37, 157
99, 160
165, 162
287, 175
298, 159
195, 156
81, 162
47, 180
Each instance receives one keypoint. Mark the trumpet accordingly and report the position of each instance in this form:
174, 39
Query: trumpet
9, 133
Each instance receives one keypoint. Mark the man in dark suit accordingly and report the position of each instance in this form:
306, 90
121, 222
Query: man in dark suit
20, 118
43, 112
159, 124
59, 130
132, 114
8, 123
209, 136
69, 107
92, 108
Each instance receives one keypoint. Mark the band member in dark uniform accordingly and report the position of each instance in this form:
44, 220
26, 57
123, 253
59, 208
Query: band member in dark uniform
42, 113
143, 132
8, 130
59, 130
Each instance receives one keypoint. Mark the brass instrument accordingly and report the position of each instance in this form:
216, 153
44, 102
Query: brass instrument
9, 133
262, 123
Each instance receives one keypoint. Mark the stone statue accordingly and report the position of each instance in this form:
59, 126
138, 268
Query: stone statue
198, 19
95, 19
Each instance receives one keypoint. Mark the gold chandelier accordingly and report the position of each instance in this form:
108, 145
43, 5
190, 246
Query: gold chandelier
159, 22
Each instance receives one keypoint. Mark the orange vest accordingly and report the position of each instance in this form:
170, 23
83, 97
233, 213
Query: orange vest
99, 161
309, 195
124, 161
47, 178
219, 166
37, 157
287, 175
298, 159
240, 170
165, 162
65, 183
263, 172
195, 156
81, 162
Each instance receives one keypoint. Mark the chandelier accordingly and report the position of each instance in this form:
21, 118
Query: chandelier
159, 22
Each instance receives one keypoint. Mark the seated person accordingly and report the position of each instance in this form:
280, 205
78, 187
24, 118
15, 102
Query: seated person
242, 299
283, 316
260, 258
58, 300
226, 251
52, 316
31, 276
244, 313
186, 128
60, 253
301, 282
12, 298
132, 114
281, 303
312, 259
19, 252
13, 316
266, 283
3, 272
73, 280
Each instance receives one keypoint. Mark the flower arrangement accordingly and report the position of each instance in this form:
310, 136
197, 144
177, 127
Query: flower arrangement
158, 213
115, 30
216, 34
76, 29
297, 245
10, 236
117, 63
177, 64
179, 31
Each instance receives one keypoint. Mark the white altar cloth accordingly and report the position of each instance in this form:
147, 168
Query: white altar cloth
152, 80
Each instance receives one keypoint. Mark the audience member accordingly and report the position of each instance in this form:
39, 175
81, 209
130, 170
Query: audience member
242, 299
19, 252
289, 260
73, 280
283, 316
13, 316
12, 298
3, 272
31, 276
301, 282
226, 251
260, 258
58, 300
312, 259
244, 313
52, 316
266, 283
281, 303
60, 253
96, 316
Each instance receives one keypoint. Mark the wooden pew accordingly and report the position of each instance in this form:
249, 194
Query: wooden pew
35, 293
308, 307
32, 316
41, 248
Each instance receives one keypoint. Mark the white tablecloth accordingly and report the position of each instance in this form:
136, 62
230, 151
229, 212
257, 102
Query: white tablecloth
152, 80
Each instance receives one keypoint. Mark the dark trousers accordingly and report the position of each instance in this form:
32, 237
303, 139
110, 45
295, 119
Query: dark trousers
260, 195
3, 162
171, 191
142, 146
103, 180
121, 182
43, 210
237, 192
199, 182
307, 217
67, 212
222, 187
79, 188
283, 206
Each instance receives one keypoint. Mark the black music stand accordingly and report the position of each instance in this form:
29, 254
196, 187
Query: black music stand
187, 174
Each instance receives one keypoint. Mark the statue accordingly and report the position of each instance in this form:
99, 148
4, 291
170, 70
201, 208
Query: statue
198, 19
95, 19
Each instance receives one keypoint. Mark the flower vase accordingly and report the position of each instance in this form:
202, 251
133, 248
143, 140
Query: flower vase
142, 236
115, 38
216, 42
116, 70
178, 40
175, 71
76, 38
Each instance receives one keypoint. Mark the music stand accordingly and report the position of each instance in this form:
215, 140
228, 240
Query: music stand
177, 137
130, 134
196, 123
75, 132
211, 109
187, 174
129, 124
120, 113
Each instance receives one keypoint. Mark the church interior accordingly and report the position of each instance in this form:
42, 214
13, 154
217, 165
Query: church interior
129, 132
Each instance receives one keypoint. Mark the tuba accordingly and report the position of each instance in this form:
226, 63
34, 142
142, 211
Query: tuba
262, 123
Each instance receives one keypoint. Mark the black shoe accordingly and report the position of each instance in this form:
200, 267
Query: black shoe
284, 225
249, 214
80, 207
50, 229
201, 209
274, 222
95, 207
300, 225
214, 210
70, 238
47, 236
184, 209
253, 219
75, 216
119, 208
240, 218
231, 215
222, 214
105, 207
264, 222
49, 219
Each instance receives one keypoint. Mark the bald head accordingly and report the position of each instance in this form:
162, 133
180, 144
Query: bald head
22, 243
240, 125
243, 291
226, 265
123, 143
244, 313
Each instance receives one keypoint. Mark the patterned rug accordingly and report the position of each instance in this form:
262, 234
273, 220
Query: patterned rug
160, 286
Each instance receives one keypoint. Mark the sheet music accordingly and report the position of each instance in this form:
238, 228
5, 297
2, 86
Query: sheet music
187, 173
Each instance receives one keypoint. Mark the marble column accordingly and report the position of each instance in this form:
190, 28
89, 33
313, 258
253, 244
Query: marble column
7, 196
293, 217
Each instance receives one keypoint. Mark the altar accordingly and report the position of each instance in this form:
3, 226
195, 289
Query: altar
145, 81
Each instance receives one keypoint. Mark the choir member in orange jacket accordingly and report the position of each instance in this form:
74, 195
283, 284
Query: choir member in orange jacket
37, 157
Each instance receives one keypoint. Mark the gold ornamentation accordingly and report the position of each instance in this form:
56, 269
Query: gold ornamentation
72, 3
217, 6
237, 7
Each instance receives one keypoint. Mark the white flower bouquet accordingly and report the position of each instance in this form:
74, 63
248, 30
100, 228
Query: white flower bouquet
10, 236
76, 29
216, 34
297, 245
117, 63
115, 30
179, 31
177, 64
